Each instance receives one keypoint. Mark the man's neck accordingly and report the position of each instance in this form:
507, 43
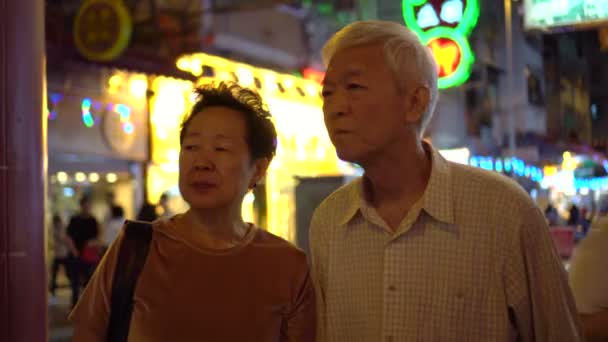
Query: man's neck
399, 175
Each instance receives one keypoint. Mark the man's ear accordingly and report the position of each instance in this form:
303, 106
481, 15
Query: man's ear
418, 103
261, 166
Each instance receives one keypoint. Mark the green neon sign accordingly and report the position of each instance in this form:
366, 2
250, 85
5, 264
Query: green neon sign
450, 26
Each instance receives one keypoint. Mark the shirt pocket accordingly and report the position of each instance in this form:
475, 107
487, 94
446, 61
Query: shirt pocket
452, 313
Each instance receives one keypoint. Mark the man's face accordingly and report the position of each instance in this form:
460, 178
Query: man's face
365, 111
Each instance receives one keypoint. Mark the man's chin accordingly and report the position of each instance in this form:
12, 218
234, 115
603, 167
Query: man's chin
349, 156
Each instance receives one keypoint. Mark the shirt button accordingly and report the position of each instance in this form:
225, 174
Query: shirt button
392, 288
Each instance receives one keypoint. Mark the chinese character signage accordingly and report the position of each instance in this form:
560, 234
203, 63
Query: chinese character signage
444, 25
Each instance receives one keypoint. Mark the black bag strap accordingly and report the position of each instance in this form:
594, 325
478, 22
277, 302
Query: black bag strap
131, 258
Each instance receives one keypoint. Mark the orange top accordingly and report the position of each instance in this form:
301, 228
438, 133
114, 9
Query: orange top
259, 290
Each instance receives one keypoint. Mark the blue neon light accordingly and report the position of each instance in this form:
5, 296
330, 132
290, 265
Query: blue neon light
128, 128
498, 165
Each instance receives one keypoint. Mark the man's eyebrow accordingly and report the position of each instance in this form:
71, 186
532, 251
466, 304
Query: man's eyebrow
347, 75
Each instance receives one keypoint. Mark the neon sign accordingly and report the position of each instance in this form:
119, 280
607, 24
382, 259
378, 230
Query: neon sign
443, 25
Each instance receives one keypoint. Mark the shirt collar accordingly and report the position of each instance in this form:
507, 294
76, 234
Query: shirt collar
436, 200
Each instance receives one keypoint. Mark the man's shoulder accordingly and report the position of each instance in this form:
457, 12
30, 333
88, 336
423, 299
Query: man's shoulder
336, 207
339, 200
469, 179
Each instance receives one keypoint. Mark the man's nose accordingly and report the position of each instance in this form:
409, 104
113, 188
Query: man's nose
335, 106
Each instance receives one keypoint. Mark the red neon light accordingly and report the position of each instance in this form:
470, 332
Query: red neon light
447, 55
313, 75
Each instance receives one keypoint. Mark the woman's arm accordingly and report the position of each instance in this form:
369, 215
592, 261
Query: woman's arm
301, 320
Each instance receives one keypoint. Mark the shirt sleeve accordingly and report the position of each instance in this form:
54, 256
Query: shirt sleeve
318, 256
301, 321
91, 314
540, 303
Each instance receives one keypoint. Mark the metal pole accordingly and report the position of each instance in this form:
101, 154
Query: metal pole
22, 172
509, 108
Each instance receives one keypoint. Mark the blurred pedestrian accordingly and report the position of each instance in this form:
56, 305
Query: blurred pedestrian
589, 276
552, 215
574, 215
83, 233
163, 209
208, 275
147, 213
420, 248
113, 226
60, 251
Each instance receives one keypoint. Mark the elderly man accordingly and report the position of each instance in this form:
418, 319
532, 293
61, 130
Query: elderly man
421, 249
589, 276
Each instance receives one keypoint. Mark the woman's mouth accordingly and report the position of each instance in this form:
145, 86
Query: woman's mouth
202, 186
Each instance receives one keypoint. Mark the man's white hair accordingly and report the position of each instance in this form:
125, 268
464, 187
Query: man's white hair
403, 52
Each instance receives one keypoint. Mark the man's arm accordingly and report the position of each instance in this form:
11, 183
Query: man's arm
596, 326
69, 239
537, 290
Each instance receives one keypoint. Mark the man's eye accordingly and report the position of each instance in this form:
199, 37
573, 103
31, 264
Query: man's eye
221, 149
190, 147
325, 93
355, 86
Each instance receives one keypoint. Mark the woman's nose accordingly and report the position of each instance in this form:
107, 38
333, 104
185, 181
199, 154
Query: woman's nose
203, 163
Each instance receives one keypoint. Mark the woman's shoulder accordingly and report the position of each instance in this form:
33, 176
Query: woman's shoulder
268, 241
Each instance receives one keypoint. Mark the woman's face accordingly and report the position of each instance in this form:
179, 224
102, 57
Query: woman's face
215, 167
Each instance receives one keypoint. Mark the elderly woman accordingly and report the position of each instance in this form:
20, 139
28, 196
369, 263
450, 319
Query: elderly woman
209, 276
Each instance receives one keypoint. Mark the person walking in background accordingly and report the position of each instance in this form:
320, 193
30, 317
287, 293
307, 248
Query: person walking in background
574, 216
552, 215
83, 234
208, 275
113, 226
589, 276
60, 251
163, 209
147, 212
420, 248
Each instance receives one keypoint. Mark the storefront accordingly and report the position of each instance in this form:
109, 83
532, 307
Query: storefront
97, 138
305, 154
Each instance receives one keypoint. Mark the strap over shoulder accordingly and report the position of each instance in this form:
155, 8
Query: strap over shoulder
131, 259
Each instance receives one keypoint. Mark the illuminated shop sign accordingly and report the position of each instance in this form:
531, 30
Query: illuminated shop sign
512, 165
443, 25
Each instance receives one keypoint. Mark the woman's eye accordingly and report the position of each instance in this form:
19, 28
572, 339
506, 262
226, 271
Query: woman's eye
325, 93
221, 149
190, 147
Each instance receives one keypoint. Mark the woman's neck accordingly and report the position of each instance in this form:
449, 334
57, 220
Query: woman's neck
217, 225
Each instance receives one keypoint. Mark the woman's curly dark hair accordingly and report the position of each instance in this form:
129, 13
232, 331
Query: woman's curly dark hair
261, 134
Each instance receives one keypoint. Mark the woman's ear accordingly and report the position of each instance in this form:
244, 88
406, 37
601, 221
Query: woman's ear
260, 167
